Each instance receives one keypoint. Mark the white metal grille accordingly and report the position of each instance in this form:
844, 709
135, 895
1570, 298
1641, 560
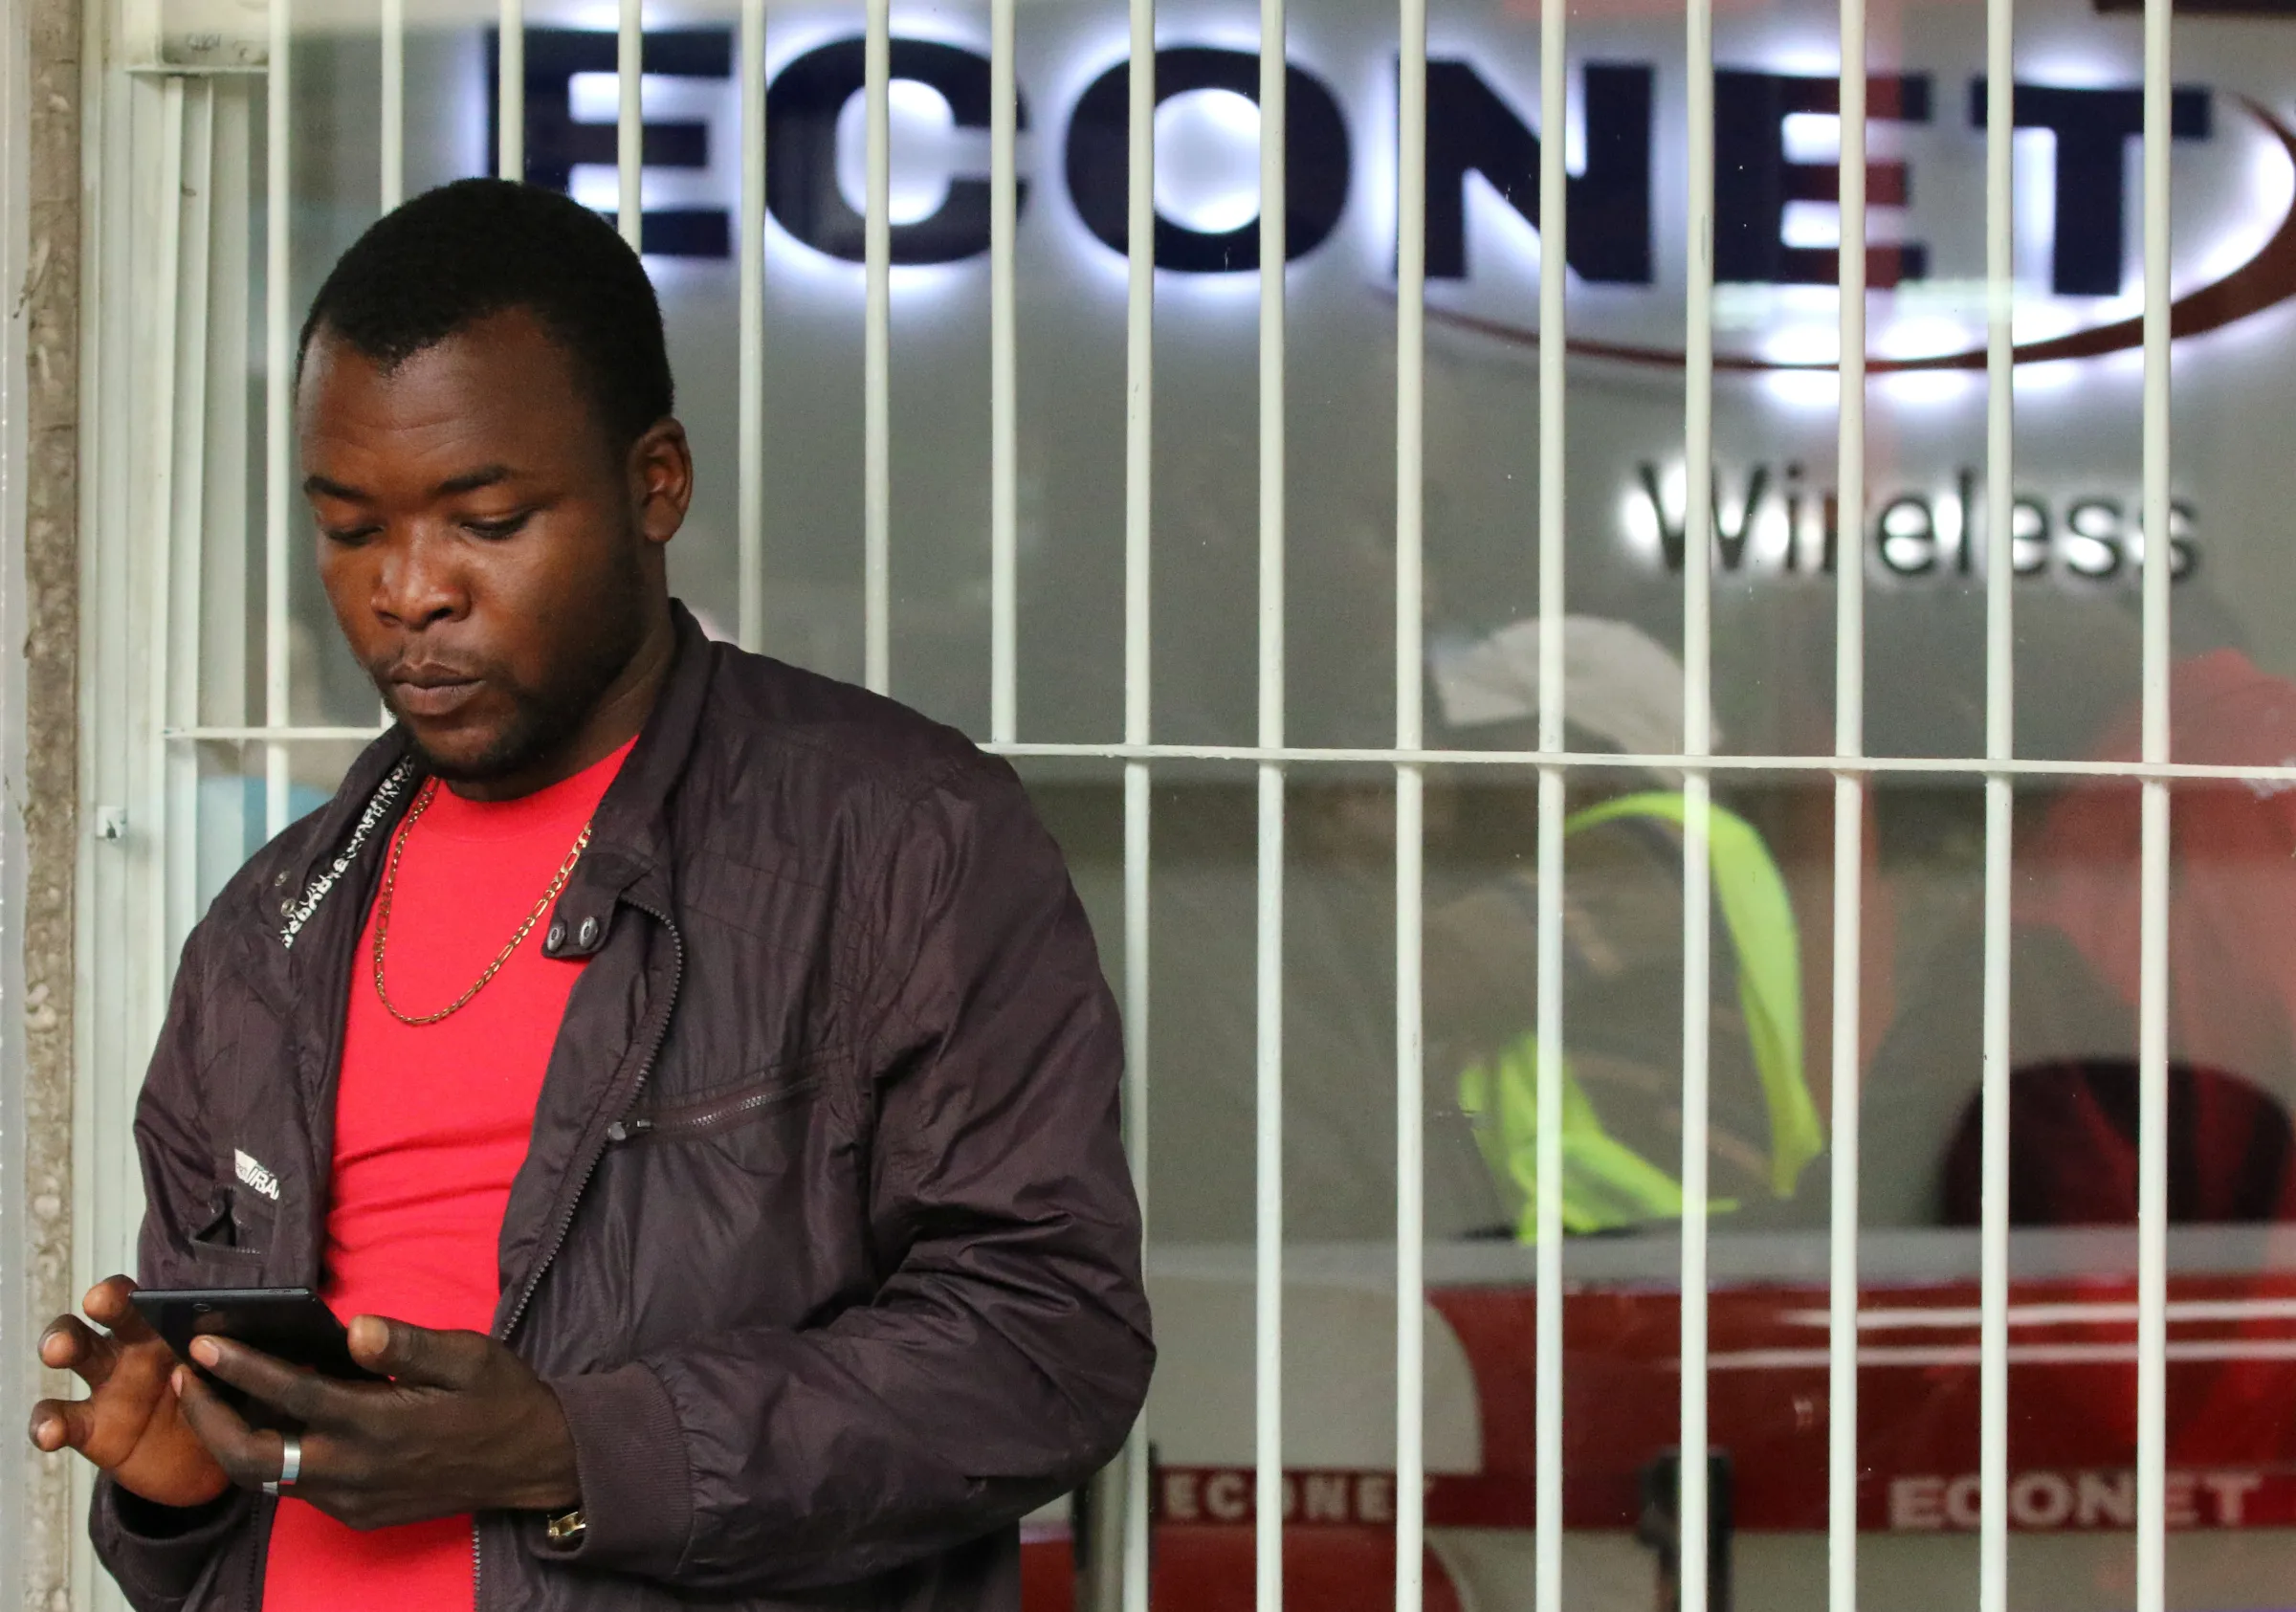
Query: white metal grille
186, 115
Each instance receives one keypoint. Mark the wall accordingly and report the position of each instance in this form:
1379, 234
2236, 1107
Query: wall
39, 609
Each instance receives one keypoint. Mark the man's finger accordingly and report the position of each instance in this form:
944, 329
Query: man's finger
249, 1457
70, 1344
107, 1305
304, 1395
62, 1424
418, 1355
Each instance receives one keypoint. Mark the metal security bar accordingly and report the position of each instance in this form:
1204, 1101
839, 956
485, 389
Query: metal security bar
1849, 820
1589, 761
750, 535
1553, 247
393, 179
876, 360
1140, 397
1692, 1501
278, 405
2000, 648
629, 129
1269, 1271
2152, 999
510, 90
1004, 398
169, 704
1410, 812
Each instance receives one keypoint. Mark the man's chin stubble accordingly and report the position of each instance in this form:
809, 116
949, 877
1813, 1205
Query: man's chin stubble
528, 738
539, 725
535, 729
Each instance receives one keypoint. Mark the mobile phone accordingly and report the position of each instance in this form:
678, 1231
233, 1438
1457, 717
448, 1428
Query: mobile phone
290, 1324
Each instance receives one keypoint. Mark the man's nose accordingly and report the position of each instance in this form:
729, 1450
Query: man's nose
419, 582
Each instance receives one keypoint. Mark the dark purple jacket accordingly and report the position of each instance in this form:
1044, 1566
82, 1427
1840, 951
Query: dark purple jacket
824, 1237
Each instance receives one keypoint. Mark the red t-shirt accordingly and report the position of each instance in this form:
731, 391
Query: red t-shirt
430, 1125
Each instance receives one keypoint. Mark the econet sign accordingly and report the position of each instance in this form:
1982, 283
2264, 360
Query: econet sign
1776, 133
1475, 130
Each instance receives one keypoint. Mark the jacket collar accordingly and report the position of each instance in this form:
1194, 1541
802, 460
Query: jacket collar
628, 851
367, 795
630, 836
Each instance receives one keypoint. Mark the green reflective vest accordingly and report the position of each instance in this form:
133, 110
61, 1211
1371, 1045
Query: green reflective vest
1606, 1183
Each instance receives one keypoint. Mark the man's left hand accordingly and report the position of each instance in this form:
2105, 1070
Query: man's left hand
462, 1425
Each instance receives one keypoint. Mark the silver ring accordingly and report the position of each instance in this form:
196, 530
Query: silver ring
290, 1466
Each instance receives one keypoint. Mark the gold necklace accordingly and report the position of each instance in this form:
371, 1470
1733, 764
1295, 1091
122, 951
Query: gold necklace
390, 881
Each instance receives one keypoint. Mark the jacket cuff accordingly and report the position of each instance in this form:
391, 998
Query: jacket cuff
159, 1551
630, 1458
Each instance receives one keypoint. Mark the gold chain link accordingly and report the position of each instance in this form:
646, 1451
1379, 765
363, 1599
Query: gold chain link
390, 881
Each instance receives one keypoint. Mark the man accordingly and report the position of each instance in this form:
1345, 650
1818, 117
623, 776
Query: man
1622, 953
691, 1078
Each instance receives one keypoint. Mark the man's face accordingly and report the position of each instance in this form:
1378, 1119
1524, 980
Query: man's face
494, 562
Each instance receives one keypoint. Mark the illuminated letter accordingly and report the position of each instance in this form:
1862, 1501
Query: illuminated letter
1327, 1497
1754, 181
801, 150
1228, 1497
1916, 1504
2093, 128
1906, 532
1471, 130
2180, 1500
2030, 529
1315, 159
2106, 1500
1731, 540
555, 142
2038, 1500
2183, 556
2097, 522
2230, 1491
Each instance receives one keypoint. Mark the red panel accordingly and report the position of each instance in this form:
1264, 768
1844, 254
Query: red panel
1209, 1568
2232, 1400
1047, 1577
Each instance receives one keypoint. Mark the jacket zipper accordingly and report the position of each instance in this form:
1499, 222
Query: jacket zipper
259, 1569
589, 1168
675, 1123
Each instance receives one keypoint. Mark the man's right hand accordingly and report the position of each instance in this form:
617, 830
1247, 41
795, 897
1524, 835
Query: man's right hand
130, 1425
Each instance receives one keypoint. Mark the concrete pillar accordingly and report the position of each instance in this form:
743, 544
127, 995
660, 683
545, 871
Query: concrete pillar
43, 618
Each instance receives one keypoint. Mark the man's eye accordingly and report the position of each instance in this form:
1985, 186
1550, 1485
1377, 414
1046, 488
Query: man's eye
502, 528
349, 535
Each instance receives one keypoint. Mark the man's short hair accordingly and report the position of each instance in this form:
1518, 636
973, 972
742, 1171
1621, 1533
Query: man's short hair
478, 247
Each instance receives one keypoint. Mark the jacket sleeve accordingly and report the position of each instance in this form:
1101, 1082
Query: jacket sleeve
1003, 1359
157, 1554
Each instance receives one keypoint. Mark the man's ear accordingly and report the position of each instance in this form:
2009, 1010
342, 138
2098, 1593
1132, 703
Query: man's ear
661, 477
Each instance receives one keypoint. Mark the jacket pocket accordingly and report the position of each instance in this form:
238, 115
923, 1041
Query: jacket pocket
234, 1235
744, 1121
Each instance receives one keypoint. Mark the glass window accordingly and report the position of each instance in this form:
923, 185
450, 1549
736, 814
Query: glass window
2075, 547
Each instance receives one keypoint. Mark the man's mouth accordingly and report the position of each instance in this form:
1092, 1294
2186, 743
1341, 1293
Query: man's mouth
431, 691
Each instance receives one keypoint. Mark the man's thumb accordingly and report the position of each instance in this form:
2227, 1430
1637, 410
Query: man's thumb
406, 1353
